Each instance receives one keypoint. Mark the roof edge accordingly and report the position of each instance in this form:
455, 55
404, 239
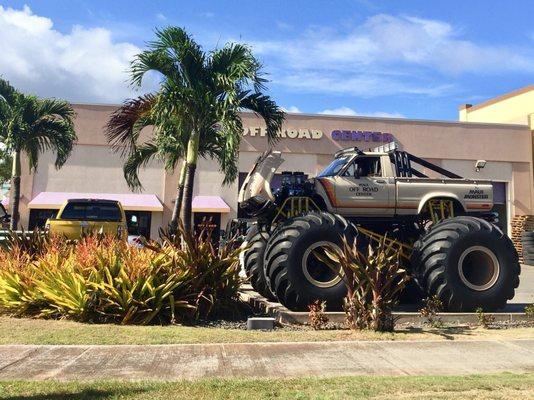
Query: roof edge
500, 98
363, 117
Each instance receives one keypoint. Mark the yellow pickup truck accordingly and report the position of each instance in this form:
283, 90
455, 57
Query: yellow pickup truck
77, 217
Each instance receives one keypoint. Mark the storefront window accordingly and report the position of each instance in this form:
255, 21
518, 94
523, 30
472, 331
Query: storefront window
208, 223
139, 223
38, 218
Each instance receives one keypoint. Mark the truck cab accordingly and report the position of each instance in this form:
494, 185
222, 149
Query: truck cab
381, 183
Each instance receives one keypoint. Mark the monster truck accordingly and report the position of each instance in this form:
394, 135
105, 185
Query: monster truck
443, 227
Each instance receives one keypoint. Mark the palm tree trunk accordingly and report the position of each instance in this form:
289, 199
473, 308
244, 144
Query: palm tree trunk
173, 225
15, 191
191, 165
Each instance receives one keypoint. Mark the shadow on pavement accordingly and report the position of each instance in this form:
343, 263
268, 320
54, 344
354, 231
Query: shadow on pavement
444, 332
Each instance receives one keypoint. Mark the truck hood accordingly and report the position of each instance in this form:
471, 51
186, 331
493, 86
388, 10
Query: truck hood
257, 183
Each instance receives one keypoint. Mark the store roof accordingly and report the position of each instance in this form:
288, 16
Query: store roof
129, 201
213, 204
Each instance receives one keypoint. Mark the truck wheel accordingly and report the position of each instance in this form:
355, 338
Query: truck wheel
294, 274
253, 261
468, 263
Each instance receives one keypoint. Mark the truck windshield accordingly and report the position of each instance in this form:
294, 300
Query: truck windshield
334, 167
91, 211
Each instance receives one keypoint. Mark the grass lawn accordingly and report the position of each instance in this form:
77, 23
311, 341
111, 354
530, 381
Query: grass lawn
502, 386
38, 331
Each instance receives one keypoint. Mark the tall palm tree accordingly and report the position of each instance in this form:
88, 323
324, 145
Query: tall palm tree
167, 144
32, 126
197, 107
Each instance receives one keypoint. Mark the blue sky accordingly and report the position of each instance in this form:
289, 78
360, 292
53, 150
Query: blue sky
411, 58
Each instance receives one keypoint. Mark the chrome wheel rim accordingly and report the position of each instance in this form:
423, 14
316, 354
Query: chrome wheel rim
317, 273
479, 268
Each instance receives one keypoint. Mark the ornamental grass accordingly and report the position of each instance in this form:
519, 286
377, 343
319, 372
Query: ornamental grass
100, 279
374, 281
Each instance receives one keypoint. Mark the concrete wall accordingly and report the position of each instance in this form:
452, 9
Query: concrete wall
513, 107
95, 169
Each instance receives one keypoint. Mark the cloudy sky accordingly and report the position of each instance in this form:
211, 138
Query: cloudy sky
403, 58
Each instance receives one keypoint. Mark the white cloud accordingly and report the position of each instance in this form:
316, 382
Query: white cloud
387, 55
350, 112
161, 17
292, 109
83, 65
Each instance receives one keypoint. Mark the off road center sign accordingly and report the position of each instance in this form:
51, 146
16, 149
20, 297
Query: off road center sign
316, 134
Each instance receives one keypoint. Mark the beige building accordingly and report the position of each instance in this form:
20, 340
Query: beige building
516, 107
308, 143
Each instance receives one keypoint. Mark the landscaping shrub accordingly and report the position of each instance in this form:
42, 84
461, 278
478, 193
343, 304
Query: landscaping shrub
317, 317
484, 320
374, 282
430, 311
101, 279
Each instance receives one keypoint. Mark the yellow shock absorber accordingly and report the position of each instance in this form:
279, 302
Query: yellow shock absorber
294, 206
440, 209
405, 250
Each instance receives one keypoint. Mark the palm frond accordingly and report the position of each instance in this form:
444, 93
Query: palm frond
126, 123
7, 92
155, 60
58, 109
266, 108
235, 63
137, 159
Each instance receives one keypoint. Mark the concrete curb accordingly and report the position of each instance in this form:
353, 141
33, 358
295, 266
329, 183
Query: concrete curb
285, 316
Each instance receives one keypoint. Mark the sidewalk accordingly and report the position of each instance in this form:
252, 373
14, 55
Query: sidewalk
271, 360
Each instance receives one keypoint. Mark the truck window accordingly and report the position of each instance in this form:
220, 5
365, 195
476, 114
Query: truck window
91, 211
364, 166
334, 167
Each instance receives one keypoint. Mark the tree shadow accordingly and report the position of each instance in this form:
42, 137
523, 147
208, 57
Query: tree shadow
446, 332
76, 394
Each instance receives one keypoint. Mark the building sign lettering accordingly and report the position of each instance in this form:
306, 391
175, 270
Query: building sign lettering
261, 131
316, 134
361, 136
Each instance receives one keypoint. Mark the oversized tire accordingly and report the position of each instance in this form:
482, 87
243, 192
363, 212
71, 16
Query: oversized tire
253, 261
294, 274
467, 263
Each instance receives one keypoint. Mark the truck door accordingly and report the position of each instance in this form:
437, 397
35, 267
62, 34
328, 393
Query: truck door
361, 189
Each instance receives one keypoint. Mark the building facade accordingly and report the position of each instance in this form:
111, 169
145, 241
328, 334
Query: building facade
307, 142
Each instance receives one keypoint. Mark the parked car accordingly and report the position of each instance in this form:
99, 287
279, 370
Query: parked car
78, 217
5, 218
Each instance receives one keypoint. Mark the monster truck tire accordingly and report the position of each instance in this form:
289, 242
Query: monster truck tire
253, 261
293, 273
467, 263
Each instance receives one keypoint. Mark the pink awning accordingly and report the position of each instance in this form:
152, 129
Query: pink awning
213, 204
129, 201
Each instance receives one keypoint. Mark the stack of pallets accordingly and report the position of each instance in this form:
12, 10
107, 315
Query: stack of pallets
520, 224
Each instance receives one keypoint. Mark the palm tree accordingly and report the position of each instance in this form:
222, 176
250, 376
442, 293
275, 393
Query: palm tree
196, 110
167, 144
32, 126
